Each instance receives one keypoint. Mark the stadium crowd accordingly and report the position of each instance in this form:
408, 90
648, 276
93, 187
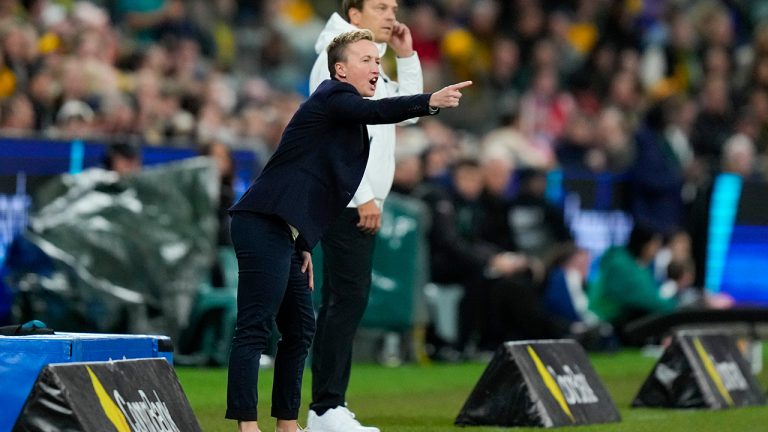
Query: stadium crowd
663, 94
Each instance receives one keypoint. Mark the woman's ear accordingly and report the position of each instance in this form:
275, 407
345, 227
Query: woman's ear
341, 70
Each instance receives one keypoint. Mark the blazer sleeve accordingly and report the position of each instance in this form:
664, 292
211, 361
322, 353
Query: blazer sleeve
348, 105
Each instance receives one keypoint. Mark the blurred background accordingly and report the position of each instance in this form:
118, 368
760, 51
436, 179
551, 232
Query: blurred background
606, 146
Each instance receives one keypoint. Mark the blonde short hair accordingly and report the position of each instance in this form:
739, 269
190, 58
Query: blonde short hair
337, 49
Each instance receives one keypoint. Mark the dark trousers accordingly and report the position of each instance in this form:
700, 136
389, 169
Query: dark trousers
271, 289
347, 262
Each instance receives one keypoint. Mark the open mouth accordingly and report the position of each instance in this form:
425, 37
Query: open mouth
373, 81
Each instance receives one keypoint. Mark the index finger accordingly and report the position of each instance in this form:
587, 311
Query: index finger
461, 85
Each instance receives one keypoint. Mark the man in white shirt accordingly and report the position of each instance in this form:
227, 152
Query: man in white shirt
348, 243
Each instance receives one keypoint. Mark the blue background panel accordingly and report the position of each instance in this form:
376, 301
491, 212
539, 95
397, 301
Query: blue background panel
746, 263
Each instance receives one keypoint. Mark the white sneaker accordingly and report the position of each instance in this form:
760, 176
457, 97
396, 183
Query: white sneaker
339, 419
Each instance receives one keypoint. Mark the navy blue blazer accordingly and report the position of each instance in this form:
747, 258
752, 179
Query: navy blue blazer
320, 161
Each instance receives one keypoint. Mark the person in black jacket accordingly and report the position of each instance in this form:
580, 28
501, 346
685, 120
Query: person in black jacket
305, 185
500, 299
459, 255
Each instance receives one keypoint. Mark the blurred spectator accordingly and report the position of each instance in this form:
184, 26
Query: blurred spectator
613, 139
118, 116
679, 284
677, 132
221, 154
537, 227
625, 93
510, 137
718, 63
714, 124
7, 79
521, 147
577, 150
528, 21
570, 41
564, 289
625, 288
500, 299
426, 21
122, 158
19, 47
738, 159
677, 247
498, 168
468, 54
43, 92
75, 119
408, 172
592, 81
436, 163
468, 50
155, 20
544, 111
17, 115
498, 172
655, 177
671, 65
505, 81
457, 254
443, 151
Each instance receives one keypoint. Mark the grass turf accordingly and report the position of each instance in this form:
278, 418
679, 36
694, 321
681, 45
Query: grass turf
427, 398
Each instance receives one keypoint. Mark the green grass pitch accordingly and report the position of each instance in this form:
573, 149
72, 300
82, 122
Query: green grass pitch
416, 398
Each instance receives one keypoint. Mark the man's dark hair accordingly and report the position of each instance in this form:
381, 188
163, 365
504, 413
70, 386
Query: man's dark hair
528, 174
640, 236
337, 49
676, 269
346, 5
466, 162
120, 149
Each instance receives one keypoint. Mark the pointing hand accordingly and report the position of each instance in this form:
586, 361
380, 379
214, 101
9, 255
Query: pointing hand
448, 97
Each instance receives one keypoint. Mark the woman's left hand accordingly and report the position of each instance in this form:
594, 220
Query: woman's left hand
306, 266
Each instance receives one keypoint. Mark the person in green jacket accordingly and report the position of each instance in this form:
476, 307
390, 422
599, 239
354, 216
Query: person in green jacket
625, 288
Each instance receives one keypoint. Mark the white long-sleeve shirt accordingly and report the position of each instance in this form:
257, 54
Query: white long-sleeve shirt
380, 170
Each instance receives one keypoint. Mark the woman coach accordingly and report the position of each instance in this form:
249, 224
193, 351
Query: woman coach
307, 182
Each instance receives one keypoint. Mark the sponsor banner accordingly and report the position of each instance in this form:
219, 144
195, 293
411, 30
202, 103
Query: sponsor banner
23, 357
543, 383
125, 396
701, 370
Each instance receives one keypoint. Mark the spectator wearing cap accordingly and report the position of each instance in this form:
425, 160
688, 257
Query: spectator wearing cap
75, 119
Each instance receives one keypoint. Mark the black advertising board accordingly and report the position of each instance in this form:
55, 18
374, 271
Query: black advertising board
124, 396
700, 370
546, 383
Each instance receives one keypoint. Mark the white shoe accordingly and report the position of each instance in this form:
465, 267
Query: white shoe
339, 419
